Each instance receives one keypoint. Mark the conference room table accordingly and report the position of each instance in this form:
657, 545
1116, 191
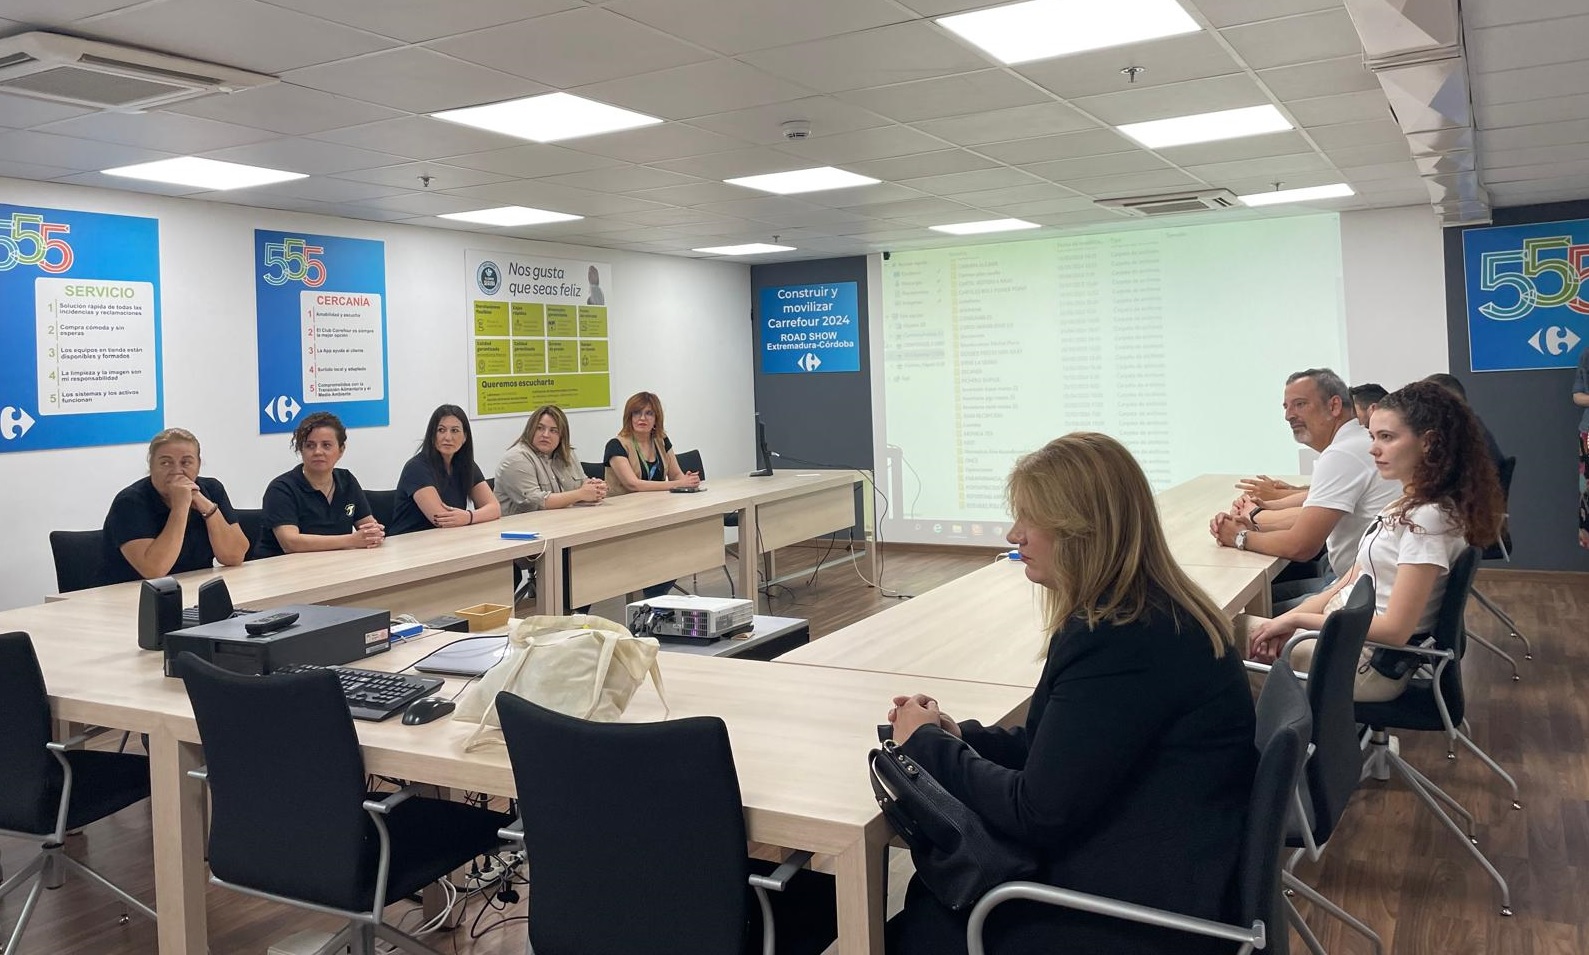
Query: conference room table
583, 554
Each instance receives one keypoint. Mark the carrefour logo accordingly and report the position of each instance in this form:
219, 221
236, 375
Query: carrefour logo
488, 277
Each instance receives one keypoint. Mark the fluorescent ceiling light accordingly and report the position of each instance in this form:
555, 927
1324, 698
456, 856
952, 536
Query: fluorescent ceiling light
204, 173
1334, 191
803, 180
510, 215
1207, 127
986, 225
549, 118
751, 248
1039, 29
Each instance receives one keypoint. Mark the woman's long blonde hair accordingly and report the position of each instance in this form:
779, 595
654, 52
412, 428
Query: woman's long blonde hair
1111, 560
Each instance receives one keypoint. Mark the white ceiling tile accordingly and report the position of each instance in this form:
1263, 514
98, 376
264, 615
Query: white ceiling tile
288, 109
1002, 125
67, 152
1224, 13
923, 164
1325, 35
1090, 142
862, 198
1094, 216
997, 178
891, 54
1568, 132
538, 159
1477, 14
1553, 109
883, 142
1232, 150
1267, 170
43, 13
1519, 45
1345, 74
624, 178
1544, 172
303, 155
169, 132
20, 112
1533, 156
351, 210
739, 162
247, 34
1030, 210
932, 207
415, 21
28, 170
700, 89
323, 189
947, 96
759, 24
418, 137
695, 194
1393, 170
1175, 99
1369, 155
656, 143
763, 125
1520, 86
414, 79
99, 180
426, 203
679, 217
407, 176
1342, 108
1169, 60
544, 195
1090, 167
773, 210
573, 48
1140, 183
1372, 132
1017, 196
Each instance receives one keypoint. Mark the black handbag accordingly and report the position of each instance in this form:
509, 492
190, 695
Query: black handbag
957, 857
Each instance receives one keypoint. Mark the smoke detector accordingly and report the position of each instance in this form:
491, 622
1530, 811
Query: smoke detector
796, 129
104, 76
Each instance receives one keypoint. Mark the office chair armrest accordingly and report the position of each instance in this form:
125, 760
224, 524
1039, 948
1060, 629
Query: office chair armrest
778, 879
1251, 937
1253, 666
88, 733
1430, 652
1296, 638
383, 806
512, 833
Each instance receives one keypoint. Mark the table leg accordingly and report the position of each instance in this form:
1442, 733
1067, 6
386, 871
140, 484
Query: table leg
860, 878
748, 546
177, 807
549, 581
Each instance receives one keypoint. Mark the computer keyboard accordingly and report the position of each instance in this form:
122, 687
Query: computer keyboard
373, 695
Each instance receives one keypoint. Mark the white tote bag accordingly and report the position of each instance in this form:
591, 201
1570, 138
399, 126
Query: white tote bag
582, 665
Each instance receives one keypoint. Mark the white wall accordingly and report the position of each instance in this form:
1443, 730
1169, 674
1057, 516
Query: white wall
1394, 267
678, 328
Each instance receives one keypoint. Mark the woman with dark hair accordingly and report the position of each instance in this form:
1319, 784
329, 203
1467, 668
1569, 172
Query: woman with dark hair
1427, 438
1131, 774
540, 472
317, 506
641, 457
439, 483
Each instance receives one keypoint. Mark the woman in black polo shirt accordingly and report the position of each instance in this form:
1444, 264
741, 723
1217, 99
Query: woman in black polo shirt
439, 484
173, 520
317, 506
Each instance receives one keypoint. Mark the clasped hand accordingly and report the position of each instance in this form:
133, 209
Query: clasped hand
593, 490
451, 517
910, 713
1265, 639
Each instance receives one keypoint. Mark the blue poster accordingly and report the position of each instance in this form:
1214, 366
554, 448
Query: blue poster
321, 303
80, 311
1528, 295
809, 329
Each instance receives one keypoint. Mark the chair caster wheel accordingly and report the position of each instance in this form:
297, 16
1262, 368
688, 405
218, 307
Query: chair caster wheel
1289, 893
1474, 840
1515, 678
125, 918
1528, 656
1516, 804
1506, 910
1451, 756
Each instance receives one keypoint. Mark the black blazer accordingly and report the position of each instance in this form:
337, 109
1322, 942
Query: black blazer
1131, 779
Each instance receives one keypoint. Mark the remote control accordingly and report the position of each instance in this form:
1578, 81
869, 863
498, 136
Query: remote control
270, 623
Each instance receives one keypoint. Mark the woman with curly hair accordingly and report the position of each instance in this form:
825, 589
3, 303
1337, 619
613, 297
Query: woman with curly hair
1428, 439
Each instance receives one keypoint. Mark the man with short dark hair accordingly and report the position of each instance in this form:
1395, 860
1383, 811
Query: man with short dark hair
1364, 398
1453, 385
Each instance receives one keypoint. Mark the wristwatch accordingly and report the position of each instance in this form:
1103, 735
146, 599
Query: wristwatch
1241, 539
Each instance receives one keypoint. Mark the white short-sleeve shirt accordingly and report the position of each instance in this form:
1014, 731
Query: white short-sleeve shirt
1346, 480
1425, 535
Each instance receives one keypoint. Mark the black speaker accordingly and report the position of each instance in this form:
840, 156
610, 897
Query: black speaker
159, 612
215, 601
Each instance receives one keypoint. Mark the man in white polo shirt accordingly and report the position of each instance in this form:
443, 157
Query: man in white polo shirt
1345, 496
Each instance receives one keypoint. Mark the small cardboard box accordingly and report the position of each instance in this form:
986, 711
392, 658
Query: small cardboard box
485, 616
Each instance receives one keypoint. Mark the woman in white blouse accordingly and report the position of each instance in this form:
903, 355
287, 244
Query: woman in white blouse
540, 471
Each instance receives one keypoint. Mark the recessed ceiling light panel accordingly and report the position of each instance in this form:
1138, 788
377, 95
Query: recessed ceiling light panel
203, 173
986, 225
510, 216
803, 180
1207, 127
1040, 29
750, 248
1334, 191
549, 118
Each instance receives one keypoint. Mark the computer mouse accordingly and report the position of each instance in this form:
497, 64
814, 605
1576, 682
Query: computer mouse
426, 709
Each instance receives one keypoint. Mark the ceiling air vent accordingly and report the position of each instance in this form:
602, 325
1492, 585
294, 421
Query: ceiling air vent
65, 69
1173, 203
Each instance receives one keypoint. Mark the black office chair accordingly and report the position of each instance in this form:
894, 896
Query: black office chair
590, 842
596, 470
252, 521
53, 788
79, 559
382, 504
1284, 726
1502, 550
291, 819
1335, 764
1434, 702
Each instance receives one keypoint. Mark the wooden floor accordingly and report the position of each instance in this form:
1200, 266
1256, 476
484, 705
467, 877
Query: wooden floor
1391, 863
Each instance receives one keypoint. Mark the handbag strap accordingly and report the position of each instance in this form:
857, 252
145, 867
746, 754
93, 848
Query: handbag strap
609, 646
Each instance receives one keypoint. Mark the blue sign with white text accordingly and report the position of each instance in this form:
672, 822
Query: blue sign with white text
321, 304
810, 328
1528, 295
80, 315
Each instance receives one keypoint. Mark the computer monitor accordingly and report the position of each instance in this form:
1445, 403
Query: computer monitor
763, 456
